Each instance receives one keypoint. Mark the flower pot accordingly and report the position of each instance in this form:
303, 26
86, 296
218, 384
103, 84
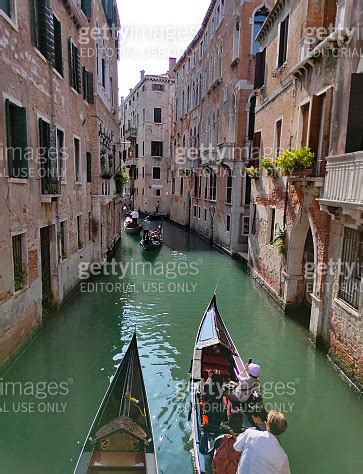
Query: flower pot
305, 173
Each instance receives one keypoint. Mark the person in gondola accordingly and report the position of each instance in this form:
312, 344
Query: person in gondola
134, 217
146, 228
242, 391
261, 450
214, 408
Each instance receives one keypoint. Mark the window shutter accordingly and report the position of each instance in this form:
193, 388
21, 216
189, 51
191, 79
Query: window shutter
70, 61
260, 69
9, 138
161, 148
89, 167
136, 150
49, 32
90, 92
20, 141
78, 70
84, 82
58, 50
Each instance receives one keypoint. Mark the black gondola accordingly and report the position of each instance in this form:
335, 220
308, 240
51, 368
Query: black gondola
154, 240
121, 438
213, 350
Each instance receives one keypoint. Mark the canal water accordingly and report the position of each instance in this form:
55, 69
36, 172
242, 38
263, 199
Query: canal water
50, 395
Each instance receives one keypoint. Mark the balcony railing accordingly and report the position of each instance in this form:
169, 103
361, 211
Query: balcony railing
343, 182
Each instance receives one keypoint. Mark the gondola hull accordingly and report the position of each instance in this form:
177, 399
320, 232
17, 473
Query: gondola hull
213, 350
151, 244
121, 439
130, 228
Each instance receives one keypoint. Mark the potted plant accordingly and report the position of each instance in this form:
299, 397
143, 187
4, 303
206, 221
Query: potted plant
296, 160
106, 173
280, 241
252, 172
269, 166
121, 179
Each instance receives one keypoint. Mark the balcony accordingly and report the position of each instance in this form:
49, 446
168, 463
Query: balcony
130, 133
343, 183
51, 189
130, 162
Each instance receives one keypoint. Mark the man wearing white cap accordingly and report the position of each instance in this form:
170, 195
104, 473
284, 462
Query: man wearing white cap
242, 391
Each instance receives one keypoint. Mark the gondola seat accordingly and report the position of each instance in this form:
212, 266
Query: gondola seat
116, 461
216, 360
223, 370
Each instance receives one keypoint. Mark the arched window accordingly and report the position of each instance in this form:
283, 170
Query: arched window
258, 20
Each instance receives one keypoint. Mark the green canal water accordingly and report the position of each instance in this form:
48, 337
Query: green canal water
60, 379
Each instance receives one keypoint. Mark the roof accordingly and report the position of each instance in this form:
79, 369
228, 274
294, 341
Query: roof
198, 35
270, 20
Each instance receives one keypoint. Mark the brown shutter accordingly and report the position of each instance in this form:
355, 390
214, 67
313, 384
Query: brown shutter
260, 69
315, 121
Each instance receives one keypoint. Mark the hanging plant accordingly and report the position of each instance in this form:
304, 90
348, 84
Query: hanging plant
269, 166
121, 179
252, 172
280, 241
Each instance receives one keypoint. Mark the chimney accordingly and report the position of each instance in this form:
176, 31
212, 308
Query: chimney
142, 74
172, 64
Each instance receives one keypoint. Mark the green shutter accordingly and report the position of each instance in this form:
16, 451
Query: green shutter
21, 140
9, 137
78, 70
70, 62
90, 92
86, 6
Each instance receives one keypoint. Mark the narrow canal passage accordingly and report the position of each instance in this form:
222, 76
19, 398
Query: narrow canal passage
64, 373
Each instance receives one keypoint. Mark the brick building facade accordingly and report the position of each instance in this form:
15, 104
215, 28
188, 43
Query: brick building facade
299, 103
59, 129
212, 132
146, 115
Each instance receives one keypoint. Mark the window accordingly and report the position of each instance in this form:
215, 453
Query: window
16, 140
260, 67
89, 167
205, 214
58, 51
103, 73
61, 155
245, 226
156, 148
79, 233
143, 115
212, 186
42, 28
157, 115
5, 5
87, 83
90, 226
282, 49
194, 211
198, 212
228, 223
74, 66
76, 151
20, 275
156, 172
181, 186
258, 21
304, 124
272, 224
340, 23
86, 6
352, 257
49, 165
63, 240
143, 172
158, 87
229, 188
278, 128
196, 185
236, 41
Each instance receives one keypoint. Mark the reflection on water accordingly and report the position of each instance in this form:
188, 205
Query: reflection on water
83, 345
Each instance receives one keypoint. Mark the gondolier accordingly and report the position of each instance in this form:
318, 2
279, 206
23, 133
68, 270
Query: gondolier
242, 391
134, 216
146, 228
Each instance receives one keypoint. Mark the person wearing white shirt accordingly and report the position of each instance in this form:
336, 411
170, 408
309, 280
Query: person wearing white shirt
134, 216
261, 450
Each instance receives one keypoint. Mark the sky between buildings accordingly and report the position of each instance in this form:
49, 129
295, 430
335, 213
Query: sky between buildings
151, 32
